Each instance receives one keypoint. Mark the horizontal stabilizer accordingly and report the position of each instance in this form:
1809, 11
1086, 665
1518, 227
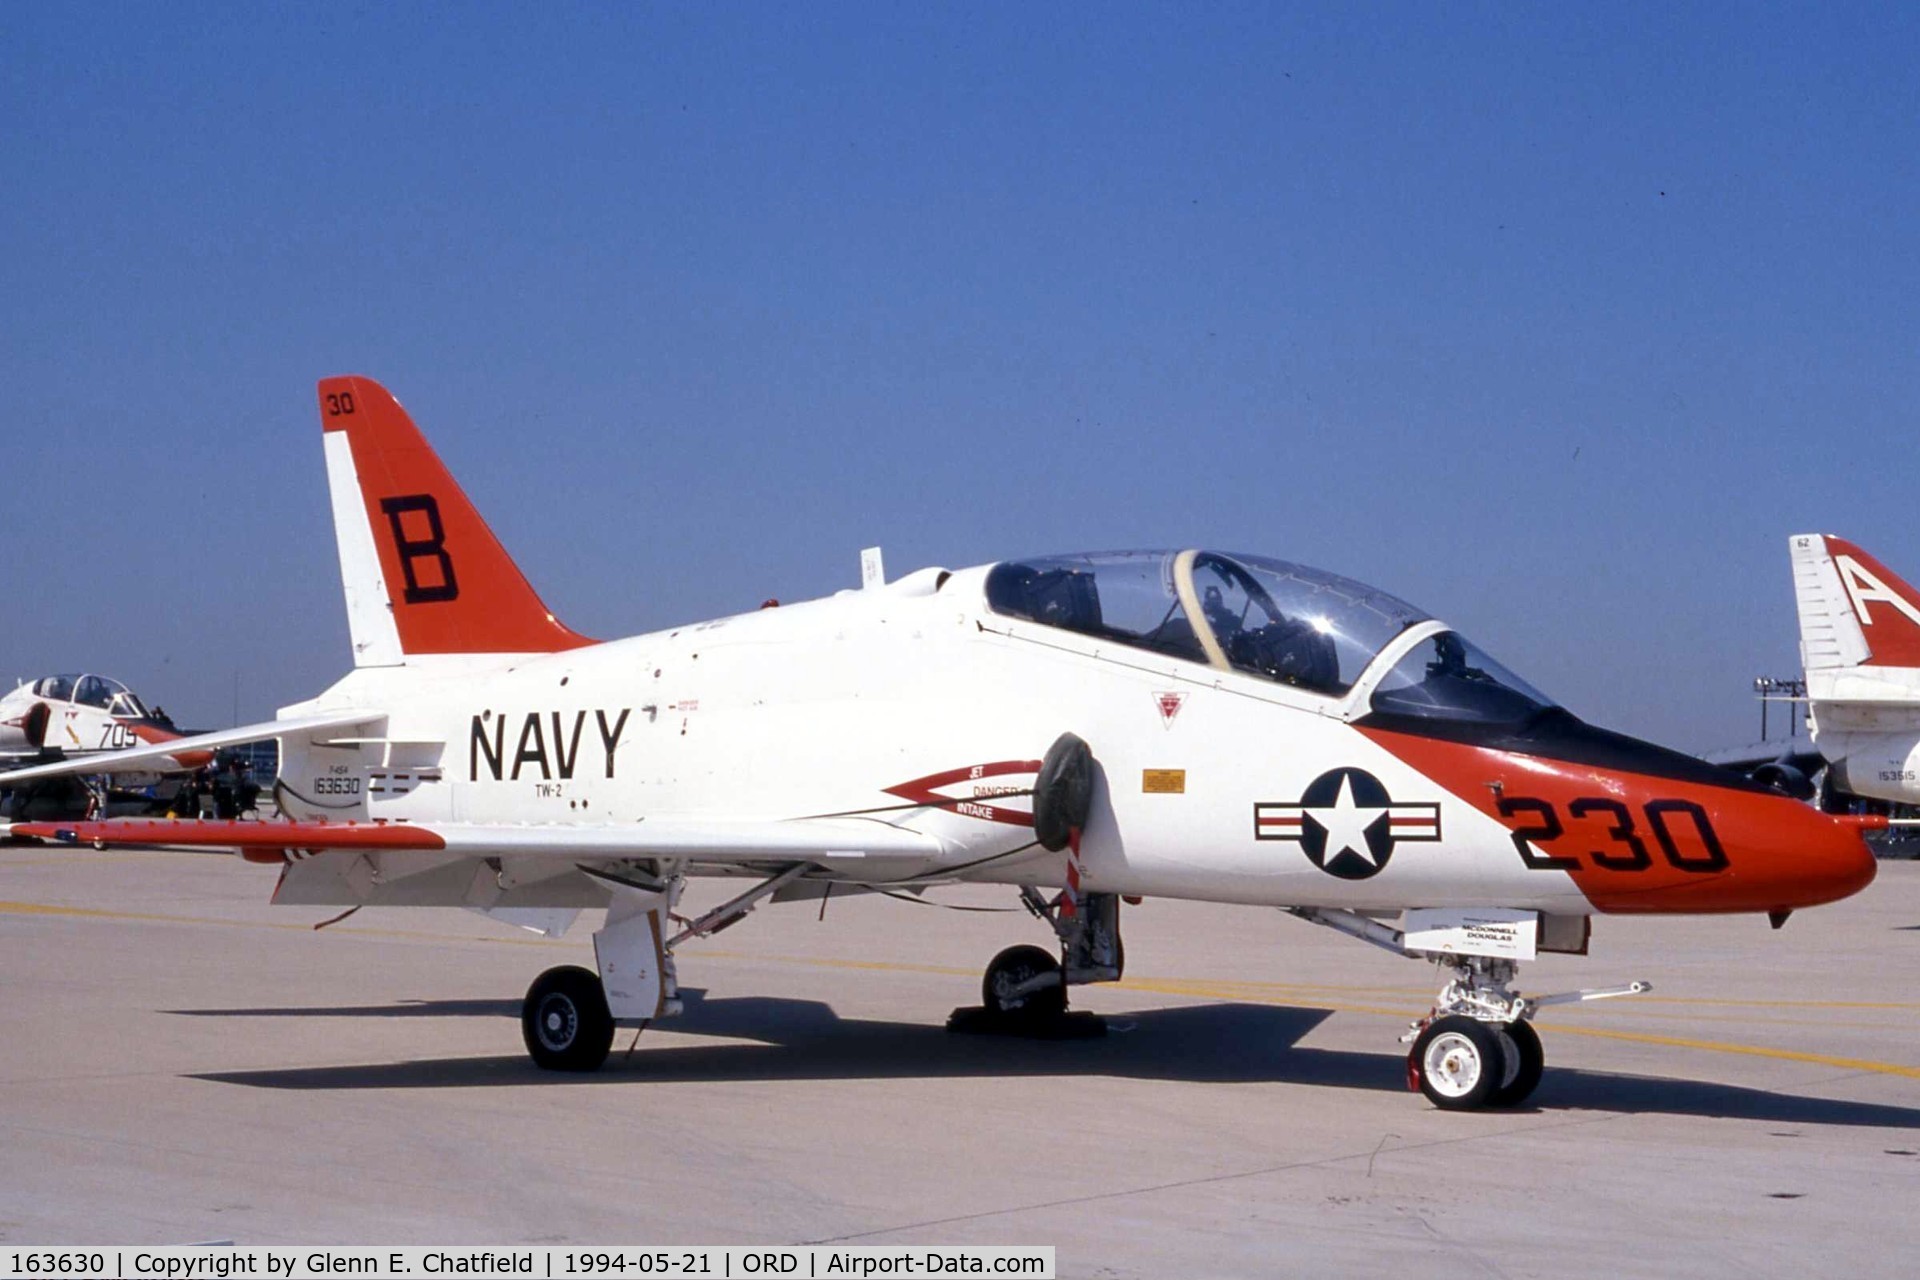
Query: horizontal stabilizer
152, 753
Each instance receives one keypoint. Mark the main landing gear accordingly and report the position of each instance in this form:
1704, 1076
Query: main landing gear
1025, 987
1477, 1048
569, 1014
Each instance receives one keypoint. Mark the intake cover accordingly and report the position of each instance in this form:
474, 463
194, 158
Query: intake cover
1063, 793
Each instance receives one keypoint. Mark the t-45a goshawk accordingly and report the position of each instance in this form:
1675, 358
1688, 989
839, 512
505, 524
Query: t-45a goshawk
1081, 728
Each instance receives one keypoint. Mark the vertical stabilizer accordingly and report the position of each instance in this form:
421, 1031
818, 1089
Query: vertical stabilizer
1829, 632
1854, 611
423, 573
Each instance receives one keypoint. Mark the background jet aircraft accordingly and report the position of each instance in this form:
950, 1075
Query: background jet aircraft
81, 717
1081, 728
1860, 645
78, 715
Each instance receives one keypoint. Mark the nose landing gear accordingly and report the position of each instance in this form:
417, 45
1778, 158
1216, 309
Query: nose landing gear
1477, 1048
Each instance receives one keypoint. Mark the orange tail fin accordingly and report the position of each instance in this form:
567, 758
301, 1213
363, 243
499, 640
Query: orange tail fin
1854, 611
423, 572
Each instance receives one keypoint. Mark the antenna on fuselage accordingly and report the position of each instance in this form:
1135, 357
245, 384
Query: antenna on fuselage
873, 570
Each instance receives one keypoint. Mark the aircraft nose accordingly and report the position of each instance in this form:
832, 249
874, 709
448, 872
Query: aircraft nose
1734, 851
1809, 857
1850, 860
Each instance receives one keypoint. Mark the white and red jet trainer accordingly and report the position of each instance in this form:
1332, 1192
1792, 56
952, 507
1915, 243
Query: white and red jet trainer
82, 717
1083, 728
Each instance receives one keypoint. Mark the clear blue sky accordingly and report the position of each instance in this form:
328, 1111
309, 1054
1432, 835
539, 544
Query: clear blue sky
1555, 322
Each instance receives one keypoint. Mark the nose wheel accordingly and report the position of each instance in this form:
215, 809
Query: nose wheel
1462, 1063
1524, 1060
1457, 1062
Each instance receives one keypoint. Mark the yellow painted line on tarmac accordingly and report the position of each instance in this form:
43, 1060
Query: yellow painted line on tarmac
1903, 1025
1701, 1002
47, 909
1747, 1050
828, 962
140, 917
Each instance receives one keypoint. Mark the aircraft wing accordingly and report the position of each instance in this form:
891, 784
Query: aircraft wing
696, 839
153, 753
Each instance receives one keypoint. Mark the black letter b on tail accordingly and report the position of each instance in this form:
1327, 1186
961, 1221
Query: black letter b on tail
413, 550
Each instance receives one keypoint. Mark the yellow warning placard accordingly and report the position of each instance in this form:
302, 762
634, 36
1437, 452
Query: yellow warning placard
1163, 782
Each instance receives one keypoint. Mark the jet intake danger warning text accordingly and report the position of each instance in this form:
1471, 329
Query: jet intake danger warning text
682, 1262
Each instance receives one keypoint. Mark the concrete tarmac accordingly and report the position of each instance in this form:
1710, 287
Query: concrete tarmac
181, 1062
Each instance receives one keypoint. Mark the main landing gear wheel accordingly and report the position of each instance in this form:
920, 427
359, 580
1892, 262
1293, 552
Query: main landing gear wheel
1012, 967
1458, 1062
565, 1020
1525, 1060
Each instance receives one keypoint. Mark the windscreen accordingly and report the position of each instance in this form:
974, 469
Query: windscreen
1445, 677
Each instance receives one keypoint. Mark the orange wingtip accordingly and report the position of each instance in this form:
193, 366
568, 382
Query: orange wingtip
273, 836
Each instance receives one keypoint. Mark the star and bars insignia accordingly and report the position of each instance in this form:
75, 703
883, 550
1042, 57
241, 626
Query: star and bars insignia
1346, 823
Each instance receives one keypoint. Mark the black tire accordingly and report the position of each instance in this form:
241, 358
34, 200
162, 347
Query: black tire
565, 1020
1526, 1058
1459, 1062
1012, 967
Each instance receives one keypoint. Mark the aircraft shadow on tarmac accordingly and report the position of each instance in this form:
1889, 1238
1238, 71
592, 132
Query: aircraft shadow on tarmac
807, 1040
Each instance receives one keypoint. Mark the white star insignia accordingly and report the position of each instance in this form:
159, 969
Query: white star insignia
1346, 824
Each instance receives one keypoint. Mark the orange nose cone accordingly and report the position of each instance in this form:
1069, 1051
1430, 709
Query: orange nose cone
1782, 854
1839, 863
1779, 854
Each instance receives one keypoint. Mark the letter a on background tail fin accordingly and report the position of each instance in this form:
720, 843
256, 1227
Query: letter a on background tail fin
1854, 611
423, 573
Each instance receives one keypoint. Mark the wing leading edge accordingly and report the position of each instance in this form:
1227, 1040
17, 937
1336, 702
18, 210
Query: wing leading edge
118, 761
696, 839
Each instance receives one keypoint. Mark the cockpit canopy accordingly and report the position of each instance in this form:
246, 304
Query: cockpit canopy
1270, 618
1273, 619
104, 692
